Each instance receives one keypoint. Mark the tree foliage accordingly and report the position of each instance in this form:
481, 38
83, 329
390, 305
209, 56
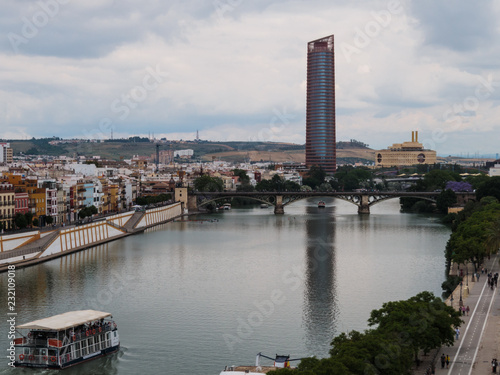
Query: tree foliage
349, 178
21, 221
475, 236
152, 199
446, 199
315, 177
277, 184
207, 183
87, 212
490, 187
422, 322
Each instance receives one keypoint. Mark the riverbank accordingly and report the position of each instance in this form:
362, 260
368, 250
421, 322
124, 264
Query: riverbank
64, 241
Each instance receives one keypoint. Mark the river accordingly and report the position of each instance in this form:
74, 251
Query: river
195, 295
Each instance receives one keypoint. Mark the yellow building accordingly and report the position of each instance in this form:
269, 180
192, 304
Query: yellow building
38, 202
7, 206
406, 153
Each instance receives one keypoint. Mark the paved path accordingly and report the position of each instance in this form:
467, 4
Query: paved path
479, 338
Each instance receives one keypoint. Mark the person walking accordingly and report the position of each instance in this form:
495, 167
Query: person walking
443, 360
457, 333
447, 361
467, 310
494, 365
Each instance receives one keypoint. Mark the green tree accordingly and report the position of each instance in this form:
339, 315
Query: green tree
21, 221
446, 199
424, 321
35, 222
490, 187
277, 184
350, 178
207, 183
29, 217
437, 179
242, 174
49, 220
315, 177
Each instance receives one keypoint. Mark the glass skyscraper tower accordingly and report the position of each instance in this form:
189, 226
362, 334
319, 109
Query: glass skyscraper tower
320, 105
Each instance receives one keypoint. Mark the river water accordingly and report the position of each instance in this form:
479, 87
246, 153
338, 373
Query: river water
195, 295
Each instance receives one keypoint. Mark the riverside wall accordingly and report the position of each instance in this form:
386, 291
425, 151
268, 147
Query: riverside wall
30, 248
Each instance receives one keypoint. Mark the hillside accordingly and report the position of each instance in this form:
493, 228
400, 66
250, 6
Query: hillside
207, 151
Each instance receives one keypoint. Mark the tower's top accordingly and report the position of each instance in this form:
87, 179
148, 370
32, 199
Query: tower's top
322, 44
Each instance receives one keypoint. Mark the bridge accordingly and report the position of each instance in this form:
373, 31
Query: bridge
364, 200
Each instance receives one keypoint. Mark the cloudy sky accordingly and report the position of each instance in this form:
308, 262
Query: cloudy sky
236, 70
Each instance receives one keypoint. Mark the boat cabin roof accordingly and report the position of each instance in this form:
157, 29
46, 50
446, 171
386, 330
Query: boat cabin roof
66, 320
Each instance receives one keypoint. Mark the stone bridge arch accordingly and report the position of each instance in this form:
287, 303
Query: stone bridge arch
364, 200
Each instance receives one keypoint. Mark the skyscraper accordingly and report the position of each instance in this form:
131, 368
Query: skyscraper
320, 105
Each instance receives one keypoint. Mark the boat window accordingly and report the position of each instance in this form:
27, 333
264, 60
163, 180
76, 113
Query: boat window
84, 348
97, 343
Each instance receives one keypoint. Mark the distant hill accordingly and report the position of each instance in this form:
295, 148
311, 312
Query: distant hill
352, 151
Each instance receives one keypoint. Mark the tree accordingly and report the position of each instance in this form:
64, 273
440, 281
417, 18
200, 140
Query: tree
207, 183
277, 184
242, 174
49, 220
437, 179
29, 217
21, 221
315, 177
350, 178
423, 321
472, 239
35, 222
446, 199
490, 187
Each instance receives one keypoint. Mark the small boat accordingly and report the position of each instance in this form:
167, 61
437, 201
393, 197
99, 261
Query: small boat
321, 204
65, 340
280, 361
264, 205
226, 206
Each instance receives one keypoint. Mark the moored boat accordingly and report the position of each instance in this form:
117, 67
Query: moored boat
67, 339
280, 361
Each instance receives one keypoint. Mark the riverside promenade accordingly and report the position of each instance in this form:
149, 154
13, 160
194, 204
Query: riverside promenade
479, 339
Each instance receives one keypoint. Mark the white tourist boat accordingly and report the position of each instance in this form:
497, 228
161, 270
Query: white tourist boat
280, 361
65, 340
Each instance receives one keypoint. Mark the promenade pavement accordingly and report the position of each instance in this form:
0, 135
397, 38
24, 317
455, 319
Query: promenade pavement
479, 339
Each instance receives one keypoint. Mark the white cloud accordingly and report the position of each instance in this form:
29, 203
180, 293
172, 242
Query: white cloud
226, 72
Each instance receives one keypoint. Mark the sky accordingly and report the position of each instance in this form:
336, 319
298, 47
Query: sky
235, 70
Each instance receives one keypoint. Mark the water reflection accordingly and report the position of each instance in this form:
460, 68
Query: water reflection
320, 310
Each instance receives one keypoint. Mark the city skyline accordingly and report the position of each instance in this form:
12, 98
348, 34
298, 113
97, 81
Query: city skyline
234, 70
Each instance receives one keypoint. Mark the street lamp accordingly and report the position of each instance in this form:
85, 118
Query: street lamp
461, 303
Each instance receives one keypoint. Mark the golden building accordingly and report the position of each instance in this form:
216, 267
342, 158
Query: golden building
406, 153
7, 206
